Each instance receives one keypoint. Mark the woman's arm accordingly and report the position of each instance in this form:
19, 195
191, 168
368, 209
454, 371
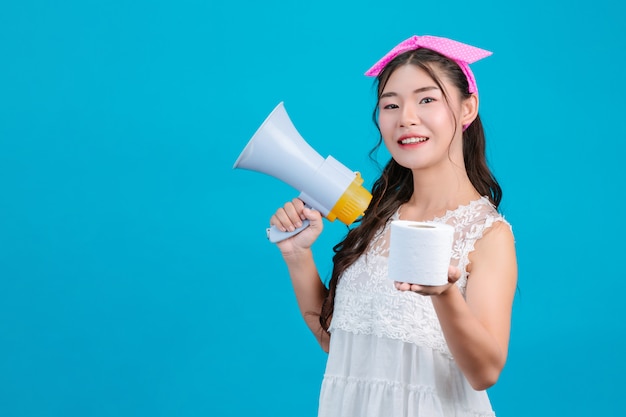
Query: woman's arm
477, 328
296, 251
310, 292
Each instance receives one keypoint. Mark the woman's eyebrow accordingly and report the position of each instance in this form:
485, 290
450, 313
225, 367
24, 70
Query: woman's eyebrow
417, 91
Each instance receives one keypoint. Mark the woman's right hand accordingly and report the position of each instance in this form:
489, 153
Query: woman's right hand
289, 217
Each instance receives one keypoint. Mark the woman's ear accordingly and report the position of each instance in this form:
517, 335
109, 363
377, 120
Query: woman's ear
469, 110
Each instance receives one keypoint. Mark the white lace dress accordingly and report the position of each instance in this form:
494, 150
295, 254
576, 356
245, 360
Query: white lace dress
388, 356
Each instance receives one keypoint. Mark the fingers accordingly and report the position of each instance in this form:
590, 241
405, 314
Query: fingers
454, 274
403, 286
299, 206
287, 218
426, 290
419, 289
407, 286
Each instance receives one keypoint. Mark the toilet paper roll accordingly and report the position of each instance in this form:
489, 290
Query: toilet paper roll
420, 252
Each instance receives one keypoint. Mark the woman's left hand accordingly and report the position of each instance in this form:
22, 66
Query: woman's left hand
454, 274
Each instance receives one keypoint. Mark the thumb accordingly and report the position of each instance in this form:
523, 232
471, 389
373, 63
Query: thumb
313, 216
454, 274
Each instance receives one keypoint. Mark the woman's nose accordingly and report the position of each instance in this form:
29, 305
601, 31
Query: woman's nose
409, 116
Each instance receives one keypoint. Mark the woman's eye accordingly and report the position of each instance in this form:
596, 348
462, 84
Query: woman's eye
390, 106
427, 100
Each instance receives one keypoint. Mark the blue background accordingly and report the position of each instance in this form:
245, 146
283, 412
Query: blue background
135, 277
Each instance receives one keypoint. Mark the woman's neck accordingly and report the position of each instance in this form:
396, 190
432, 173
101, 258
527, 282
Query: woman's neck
437, 191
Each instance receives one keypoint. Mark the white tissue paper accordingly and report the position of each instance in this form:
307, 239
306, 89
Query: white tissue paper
420, 252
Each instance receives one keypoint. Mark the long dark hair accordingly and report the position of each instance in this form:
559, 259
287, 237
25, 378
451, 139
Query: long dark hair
395, 185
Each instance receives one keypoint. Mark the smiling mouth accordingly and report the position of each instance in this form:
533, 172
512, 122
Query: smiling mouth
408, 141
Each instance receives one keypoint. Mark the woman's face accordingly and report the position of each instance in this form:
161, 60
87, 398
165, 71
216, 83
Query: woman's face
416, 122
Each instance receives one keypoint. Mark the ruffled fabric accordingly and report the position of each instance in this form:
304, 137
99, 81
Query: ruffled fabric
376, 376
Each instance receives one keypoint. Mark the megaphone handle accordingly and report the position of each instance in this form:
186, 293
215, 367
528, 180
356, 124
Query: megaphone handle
274, 235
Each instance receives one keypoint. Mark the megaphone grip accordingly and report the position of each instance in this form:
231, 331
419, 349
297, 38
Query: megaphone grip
274, 235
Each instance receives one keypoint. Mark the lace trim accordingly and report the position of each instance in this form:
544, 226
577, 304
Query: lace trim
367, 302
374, 306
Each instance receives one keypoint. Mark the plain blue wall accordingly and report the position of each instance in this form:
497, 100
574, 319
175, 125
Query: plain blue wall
135, 278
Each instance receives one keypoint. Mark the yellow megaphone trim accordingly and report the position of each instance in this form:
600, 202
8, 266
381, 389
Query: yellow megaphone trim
352, 203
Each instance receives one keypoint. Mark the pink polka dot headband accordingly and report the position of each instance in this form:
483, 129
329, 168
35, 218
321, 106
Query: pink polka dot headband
459, 52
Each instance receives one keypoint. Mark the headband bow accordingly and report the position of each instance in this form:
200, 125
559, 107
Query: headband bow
460, 53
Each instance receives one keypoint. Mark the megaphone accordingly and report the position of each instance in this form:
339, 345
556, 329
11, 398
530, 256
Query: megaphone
326, 185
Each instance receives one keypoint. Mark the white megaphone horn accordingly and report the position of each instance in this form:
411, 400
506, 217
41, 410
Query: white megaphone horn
277, 149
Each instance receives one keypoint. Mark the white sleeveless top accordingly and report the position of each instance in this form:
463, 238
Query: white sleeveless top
388, 356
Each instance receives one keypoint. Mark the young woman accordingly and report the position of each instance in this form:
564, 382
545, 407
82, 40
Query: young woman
399, 349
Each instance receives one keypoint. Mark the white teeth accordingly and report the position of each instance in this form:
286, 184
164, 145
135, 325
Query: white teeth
412, 140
